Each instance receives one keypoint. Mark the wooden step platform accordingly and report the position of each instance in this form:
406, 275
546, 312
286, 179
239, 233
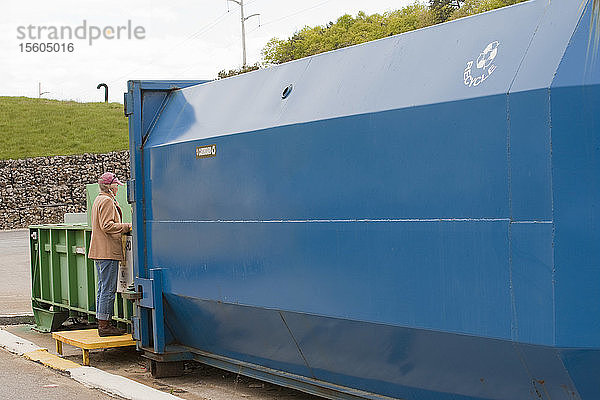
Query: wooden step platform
88, 339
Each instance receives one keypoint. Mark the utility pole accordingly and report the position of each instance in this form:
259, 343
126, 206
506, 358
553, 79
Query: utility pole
40, 93
243, 19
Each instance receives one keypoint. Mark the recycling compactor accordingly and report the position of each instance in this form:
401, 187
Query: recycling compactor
417, 217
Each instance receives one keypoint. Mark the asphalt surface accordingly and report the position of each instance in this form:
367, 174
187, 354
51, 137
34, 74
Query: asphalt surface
22, 379
15, 285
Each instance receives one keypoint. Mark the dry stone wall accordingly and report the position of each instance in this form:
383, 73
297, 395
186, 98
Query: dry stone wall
41, 190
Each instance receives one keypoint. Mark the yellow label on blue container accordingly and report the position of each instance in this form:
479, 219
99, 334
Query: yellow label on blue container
206, 151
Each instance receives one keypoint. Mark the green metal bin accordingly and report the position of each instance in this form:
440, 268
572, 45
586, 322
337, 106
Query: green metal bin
63, 279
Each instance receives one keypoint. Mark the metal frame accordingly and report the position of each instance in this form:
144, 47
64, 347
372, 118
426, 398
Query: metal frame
143, 104
281, 378
59, 289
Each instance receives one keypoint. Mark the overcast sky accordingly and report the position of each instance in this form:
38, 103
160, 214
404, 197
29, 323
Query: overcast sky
183, 39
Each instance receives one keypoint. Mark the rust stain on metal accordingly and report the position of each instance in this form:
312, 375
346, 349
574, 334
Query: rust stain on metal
570, 392
537, 392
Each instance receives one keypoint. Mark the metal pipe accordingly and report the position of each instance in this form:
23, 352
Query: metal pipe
105, 91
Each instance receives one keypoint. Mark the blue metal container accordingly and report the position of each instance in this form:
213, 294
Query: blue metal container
416, 217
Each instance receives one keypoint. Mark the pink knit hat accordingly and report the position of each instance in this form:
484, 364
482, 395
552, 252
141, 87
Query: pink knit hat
108, 178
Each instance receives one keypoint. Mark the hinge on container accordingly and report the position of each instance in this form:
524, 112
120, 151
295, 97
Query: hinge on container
131, 191
128, 103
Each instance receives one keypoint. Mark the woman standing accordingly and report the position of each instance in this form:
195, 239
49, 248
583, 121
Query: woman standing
106, 249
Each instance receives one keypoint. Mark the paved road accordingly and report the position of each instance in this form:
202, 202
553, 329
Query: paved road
15, 289
21, 379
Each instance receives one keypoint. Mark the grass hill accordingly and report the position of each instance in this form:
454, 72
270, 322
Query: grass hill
41, 127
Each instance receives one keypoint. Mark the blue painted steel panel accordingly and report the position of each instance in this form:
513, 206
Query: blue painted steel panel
237, 332
363, 166
576, 173
547, 45
394, 361
138, 124
583, 369
579, 65
394, 73
399, 227
530, 156
532, 280
153, 101
391, 269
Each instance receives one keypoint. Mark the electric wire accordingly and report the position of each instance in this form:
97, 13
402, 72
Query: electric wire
187, 69
201, 32
152, 61
291, 15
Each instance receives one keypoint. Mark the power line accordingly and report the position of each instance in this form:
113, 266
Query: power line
270, 22
190, 67
206, 29
291, 15
192, 36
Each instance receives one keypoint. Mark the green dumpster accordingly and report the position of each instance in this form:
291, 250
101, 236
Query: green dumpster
63, 278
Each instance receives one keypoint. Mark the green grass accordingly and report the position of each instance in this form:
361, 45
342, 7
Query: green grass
40, 127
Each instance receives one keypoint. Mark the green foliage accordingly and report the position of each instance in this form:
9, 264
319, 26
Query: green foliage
232, 72
40, 127
348, 30
472, 7
442, 10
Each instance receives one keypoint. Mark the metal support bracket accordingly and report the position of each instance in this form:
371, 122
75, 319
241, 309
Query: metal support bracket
131, 191
147, 292
152, 299
128, 103
158, 316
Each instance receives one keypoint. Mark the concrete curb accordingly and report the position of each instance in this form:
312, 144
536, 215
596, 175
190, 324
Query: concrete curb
89, 376
118, 385
50, 360
15, 344
16, 319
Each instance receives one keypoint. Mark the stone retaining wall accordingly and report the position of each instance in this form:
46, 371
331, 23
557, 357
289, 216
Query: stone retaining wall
41, 190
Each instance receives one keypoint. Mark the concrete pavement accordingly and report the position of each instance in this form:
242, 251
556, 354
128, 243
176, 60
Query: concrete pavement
89, 376
15, 282
24, 380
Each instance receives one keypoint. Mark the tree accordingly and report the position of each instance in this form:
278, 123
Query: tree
246, 68
442, 10
346, 31
472, 7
